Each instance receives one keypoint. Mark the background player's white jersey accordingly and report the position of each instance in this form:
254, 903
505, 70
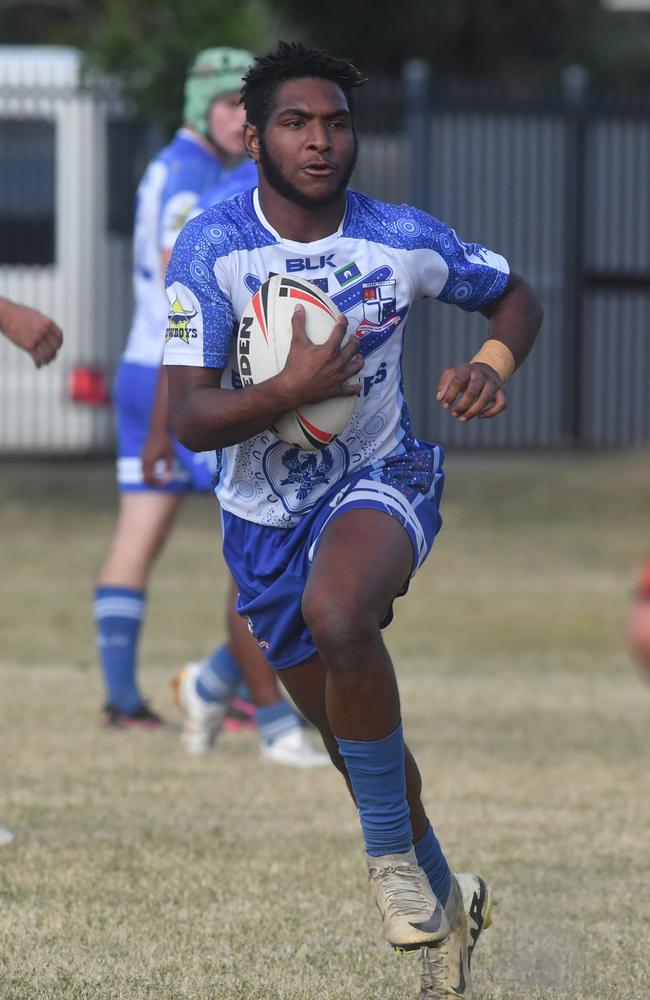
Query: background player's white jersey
381, 260
167, 194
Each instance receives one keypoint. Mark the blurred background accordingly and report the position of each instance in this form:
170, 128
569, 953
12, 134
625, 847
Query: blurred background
525, 125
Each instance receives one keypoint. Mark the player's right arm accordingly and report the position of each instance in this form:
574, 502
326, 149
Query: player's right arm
205, 416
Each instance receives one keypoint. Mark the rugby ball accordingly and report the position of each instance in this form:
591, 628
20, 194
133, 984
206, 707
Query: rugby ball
263, 342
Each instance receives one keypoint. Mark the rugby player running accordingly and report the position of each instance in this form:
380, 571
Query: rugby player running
319, 553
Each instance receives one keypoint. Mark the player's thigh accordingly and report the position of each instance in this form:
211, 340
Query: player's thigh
363, 561
144, 521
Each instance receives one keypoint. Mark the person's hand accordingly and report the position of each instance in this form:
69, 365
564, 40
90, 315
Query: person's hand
157, 458
480, 389
31, 330
314, 372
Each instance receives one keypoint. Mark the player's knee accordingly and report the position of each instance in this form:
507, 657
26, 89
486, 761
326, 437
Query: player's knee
338, 622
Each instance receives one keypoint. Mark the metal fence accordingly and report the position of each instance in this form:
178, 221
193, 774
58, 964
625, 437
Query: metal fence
558, 184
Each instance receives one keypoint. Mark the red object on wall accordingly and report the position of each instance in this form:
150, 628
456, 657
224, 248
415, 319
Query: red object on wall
88, 385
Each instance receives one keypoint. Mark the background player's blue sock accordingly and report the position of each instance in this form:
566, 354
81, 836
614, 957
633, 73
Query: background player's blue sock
275, 720
376, 772
430, 857
118, 617
219, 676
244, 692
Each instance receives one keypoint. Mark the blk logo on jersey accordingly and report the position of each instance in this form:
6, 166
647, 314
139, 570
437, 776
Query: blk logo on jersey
309, 263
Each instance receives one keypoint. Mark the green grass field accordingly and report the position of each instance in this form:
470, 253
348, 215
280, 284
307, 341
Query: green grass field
139, 872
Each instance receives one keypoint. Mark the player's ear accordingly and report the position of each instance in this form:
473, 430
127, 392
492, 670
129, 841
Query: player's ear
251, 141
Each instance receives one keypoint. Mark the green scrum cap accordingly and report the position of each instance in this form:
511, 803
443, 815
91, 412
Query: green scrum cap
213, 74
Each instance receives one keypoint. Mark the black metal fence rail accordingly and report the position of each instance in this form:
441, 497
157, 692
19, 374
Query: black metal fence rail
559, 183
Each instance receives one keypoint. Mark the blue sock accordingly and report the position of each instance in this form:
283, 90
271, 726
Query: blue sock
219, 676
430, 857
118, 616
244, 692
275, 720
376, 772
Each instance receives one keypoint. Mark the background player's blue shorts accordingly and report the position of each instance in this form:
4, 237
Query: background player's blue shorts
135, 391
271, 565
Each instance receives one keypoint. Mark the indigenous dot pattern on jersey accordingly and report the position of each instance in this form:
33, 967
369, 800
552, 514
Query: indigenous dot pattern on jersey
380, 261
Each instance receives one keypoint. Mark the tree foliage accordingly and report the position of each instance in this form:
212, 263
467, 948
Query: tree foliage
149, 43
146, 43
522, 42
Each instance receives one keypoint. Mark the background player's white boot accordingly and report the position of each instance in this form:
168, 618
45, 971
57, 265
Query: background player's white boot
412, 915
202, 720
293, 748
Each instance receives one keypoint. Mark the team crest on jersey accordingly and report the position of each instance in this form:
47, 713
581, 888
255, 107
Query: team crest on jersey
379, 301
299, 478
381, 317
181, 314
306, 471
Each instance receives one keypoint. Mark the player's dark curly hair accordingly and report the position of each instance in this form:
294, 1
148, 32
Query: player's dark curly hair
287, 62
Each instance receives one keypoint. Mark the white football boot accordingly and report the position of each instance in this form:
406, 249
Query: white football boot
202, 720
6, 836
446, 966
411, 914
294, 749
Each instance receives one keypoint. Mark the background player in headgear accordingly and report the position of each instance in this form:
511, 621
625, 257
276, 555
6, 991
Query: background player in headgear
202, 154
320, 564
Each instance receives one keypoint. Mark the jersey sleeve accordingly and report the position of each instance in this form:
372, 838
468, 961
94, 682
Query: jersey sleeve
177, 209
462, 274
180, 198
201, 322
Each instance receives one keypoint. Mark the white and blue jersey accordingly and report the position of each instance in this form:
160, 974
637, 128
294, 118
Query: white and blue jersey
380, 261
240, 179
167, 194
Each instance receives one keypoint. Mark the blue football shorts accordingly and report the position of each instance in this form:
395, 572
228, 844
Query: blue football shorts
271, 565
135, 390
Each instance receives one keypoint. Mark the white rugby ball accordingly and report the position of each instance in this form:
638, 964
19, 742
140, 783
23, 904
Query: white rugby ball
263, 343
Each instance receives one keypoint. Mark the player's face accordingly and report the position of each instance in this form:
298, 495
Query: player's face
226, 125
308, 148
